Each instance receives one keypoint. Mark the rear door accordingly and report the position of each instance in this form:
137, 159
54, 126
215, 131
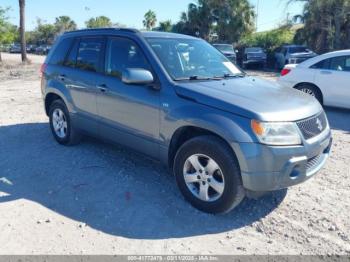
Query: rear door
333, 78
81, 68
129, 114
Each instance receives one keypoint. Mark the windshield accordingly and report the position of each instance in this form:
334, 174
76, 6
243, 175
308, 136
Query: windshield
225, 48
192, 59
253, 50
298, 49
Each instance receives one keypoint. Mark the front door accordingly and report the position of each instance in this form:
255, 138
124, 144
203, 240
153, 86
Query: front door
129, 114
335, 78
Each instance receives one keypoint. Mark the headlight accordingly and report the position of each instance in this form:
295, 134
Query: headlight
275, 133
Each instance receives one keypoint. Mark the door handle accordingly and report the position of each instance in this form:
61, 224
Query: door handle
62, 77
103, 88
326, 72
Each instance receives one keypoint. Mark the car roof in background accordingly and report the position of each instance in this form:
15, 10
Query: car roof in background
319, 58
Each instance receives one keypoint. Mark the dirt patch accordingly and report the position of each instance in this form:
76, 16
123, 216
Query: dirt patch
96, 198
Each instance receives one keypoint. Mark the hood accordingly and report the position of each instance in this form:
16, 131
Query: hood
253, 98
303, 54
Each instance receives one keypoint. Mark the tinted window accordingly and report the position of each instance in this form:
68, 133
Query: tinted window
72, 57
254, 49
340, 63
61, 51
324, 64
89, 54
123, 54
298, 49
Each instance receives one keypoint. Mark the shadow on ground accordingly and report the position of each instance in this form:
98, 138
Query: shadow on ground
339, 119
108, 187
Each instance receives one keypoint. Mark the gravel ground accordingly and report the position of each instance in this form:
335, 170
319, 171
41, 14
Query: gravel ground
96, 198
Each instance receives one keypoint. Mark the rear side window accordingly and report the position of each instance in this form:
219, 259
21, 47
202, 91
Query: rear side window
340, 63
324, 64
72, 56
89, 54
61, 51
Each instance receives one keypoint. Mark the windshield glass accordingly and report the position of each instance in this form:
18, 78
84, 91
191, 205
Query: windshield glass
225, 48
192, 59
298, 49
253, 50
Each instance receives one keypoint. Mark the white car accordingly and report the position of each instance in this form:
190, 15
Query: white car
326, 77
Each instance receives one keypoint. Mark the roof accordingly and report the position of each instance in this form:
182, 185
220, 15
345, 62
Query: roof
157, 34
147, 34
107, 29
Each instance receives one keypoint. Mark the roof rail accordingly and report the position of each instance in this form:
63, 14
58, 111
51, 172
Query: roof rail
130, 30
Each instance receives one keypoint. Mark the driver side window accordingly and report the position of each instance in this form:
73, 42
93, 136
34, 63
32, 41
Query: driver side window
122, 54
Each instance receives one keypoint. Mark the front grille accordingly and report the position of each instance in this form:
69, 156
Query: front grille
313, 162
313, 126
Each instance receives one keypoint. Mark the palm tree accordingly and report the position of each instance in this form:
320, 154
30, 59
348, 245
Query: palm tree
150, 20
22, 30
165, 26
64, 24
99, 22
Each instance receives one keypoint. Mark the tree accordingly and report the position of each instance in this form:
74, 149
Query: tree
64, 24
99, 22
165, 26
228, 19
44, 33
326, 24
8, 32
22, 30
150, 20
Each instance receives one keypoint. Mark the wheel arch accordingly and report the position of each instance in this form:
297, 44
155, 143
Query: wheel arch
52, 95
185, 133
313, 85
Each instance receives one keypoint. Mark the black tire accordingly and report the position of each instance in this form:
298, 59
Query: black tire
72, 136
219, 151
311, 90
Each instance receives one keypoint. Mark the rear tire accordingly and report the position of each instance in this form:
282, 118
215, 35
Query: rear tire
311, 90
61, 125
215, 171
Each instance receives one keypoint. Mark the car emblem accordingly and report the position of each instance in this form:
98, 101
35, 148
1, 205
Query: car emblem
319, 124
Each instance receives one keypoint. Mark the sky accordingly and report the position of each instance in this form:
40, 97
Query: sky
131, 12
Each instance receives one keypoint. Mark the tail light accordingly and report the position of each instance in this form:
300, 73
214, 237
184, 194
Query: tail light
43, 69
285, 71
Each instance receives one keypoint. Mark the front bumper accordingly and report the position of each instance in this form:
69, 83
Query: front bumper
268, 168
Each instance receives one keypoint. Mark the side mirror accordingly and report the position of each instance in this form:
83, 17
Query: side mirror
137, 76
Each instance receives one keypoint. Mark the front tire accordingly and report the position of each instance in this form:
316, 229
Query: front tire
208, 175
311, 90
61, 126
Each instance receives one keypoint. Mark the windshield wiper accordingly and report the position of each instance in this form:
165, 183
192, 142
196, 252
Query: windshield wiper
233, 75
191, 78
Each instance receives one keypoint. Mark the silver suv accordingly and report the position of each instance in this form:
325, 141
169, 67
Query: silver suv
181, 101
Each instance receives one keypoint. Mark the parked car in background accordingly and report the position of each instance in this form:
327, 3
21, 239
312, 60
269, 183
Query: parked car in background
292, 54
326, 77
179, 100
228, 51
254, 56
31, 48
5, 48
15, 49
43, 49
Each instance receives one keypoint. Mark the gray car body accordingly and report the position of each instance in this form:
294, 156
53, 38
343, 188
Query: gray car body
153, 119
